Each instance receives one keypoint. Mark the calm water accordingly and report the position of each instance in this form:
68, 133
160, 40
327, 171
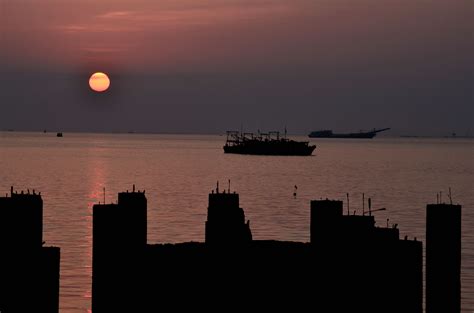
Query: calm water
179, 171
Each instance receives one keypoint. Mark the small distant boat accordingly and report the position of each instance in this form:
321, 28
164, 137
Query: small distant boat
59, 134
359, 135
265, 144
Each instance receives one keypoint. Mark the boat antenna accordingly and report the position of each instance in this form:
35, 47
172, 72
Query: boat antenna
450, 198
285, 131
104, 195
347, 195
370, 206
229, 186
217, 188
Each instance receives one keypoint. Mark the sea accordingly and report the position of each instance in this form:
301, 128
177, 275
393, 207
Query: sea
78, 170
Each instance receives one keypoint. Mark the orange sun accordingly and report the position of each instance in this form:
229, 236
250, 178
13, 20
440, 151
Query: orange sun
99, 82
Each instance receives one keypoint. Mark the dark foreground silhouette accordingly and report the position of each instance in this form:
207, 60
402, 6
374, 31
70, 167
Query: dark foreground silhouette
350, 265
29, 272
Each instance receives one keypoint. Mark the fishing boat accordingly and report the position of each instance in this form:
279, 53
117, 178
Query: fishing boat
270, 143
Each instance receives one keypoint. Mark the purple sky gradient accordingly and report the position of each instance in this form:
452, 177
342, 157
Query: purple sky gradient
207, 66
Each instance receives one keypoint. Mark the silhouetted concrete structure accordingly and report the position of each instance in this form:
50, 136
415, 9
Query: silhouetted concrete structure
443, 258
346, 252
21, 220
325, 215
359, 253
119, 243
29, 272
225, 223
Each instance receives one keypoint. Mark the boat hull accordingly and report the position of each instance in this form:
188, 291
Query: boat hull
352, 135
270, 149
361, 135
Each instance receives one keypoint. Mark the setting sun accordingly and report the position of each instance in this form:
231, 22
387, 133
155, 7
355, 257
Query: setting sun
99, 82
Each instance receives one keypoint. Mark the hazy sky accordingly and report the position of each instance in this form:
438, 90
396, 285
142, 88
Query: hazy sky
210, 65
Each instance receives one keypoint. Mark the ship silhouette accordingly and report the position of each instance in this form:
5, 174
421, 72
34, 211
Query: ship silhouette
360, 135
270, 143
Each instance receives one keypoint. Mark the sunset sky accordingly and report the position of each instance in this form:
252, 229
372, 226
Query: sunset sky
205, 66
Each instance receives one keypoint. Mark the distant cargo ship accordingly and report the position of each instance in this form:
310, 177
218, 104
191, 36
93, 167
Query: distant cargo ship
265, 144
359, 135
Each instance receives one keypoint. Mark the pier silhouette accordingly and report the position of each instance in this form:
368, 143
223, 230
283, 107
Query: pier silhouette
29, 272
443, 258
349, 264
